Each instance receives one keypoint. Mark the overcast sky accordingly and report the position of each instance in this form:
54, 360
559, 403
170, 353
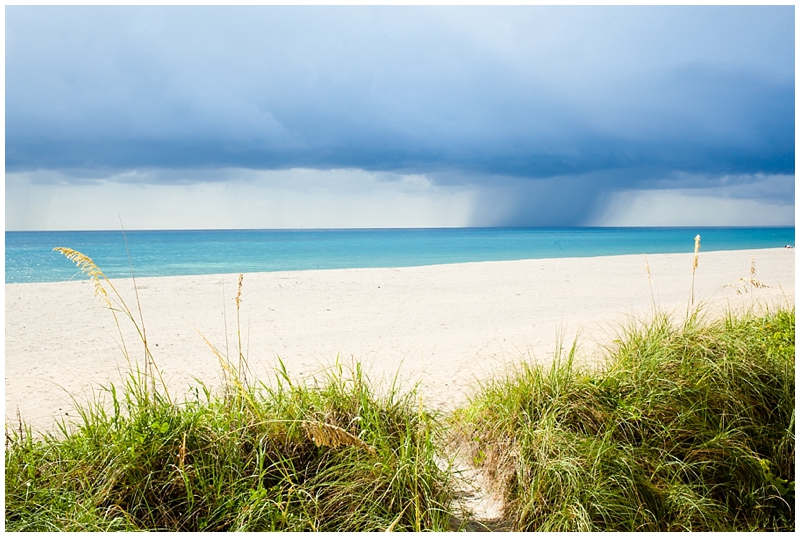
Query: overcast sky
270, 117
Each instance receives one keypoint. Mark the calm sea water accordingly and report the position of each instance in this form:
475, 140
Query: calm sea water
30, 256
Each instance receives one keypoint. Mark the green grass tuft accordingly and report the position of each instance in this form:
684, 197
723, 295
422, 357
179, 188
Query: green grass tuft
687, 428
243, 462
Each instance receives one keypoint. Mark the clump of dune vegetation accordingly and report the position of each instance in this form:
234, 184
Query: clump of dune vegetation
684, 428
331, 457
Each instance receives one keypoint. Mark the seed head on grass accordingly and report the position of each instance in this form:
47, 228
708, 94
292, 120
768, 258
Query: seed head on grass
89, 268
239, 291
747, 284
753, 280
696, 250
695, 262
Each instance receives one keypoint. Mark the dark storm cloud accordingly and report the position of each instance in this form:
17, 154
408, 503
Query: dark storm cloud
611, 98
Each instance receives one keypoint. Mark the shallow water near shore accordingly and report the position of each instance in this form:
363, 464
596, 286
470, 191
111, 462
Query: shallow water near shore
30, 257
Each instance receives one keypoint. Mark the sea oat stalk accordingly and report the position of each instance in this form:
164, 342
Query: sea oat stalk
100, 280
242, 364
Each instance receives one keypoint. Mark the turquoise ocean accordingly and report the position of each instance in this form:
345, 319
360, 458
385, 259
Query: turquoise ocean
29, 256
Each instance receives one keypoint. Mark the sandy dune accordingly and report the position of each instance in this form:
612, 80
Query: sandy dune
445, 326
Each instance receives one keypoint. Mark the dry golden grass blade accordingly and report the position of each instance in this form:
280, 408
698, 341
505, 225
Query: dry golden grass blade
182, 452
391, 527
325, 434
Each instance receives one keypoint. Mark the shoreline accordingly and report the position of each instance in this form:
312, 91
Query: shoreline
178, 253
80, 276
445, 326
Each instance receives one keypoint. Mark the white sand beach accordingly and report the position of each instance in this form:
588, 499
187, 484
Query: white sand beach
445, 326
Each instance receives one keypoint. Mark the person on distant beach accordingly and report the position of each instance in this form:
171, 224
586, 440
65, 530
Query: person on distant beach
788, 246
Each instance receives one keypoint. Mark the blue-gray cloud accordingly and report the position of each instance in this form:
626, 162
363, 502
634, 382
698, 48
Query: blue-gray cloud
611, 98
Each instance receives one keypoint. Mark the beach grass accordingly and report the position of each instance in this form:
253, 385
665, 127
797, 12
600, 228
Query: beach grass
685, 427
